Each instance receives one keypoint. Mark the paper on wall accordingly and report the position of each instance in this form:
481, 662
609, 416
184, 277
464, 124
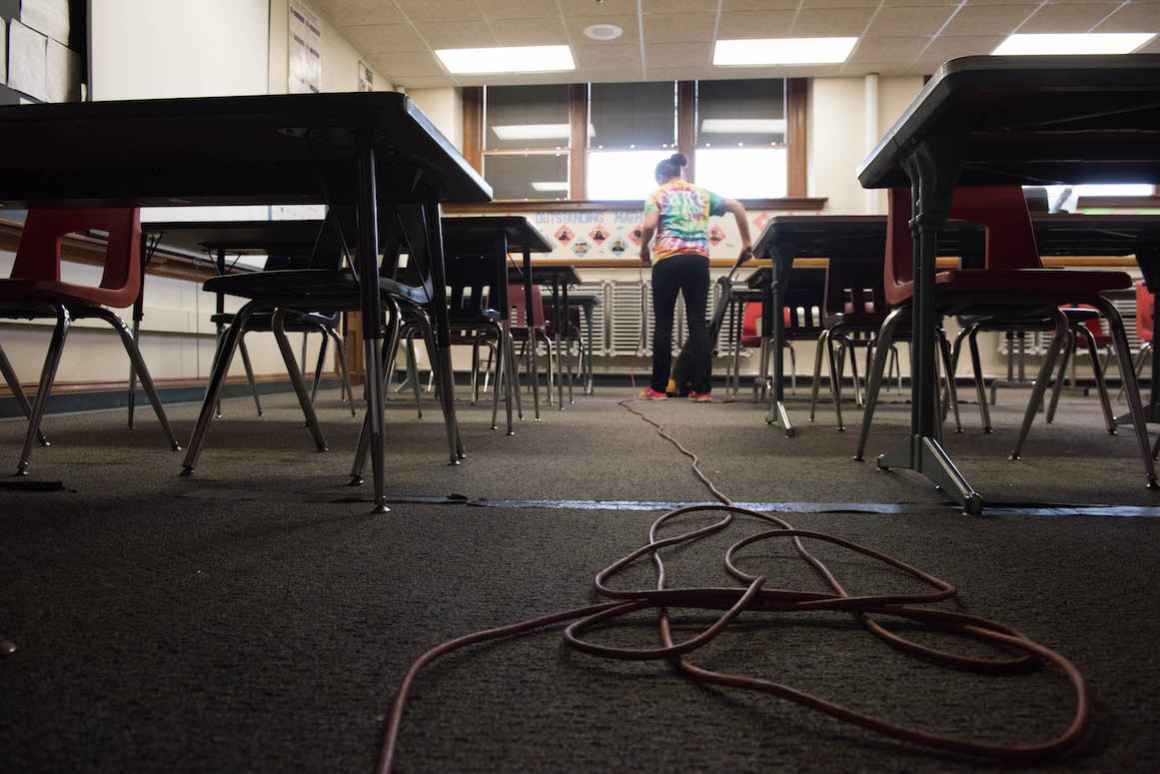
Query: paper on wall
49, 17
28, 61
64, 73
3, 52
366, 77
305, 50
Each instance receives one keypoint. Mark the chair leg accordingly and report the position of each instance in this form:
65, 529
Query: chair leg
951, 387
47, 376
413, 374
134, 354
390, 350
874, 379
896, 367
343, 371
552, 375
249, 371
854, 372
1098, 375
1137, 368
475, 371
836, 379
511, 391
819, 353
792, 367
445, 396
1135, 404
1045, 373
487, 368
1069, 354
514, 370
980, 382
319, 365
279, 326
500, 371
17, 392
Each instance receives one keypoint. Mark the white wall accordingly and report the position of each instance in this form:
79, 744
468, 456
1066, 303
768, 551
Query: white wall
339, 57
445, 109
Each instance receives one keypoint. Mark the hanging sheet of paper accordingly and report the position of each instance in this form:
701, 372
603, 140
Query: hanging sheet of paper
305, 50
366, 78
64, 73
3, 51
48, 17
28, 61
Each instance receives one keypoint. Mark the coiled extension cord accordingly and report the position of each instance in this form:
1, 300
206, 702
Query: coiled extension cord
754, 595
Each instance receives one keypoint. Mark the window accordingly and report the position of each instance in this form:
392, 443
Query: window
1066, 198
741, 138
527, 130
631, 127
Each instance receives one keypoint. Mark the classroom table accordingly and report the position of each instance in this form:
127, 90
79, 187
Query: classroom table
559, 278
362, 150
504, 234
992, 120
586, 303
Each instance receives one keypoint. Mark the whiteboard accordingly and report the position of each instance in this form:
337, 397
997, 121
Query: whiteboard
152, 49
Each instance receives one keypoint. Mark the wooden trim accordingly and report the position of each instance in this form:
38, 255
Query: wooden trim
578, 148
797, 136
473, 126
687, 125
1118, 202
572, 205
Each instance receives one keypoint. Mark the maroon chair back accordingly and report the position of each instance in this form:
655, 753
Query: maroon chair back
38, 257
519, 308
1145, 311
1001, 210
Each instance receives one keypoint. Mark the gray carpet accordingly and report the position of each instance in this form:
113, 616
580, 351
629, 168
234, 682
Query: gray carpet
255, 617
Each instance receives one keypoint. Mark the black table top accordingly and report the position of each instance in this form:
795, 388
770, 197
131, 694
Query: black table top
247, 237
1034, 120
480, 233
226, 150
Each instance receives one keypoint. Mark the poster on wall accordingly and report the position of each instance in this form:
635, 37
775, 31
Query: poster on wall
366, 78
305, 50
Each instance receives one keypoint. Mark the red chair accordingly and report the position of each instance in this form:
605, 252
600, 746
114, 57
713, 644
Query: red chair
520, 333
1145, 310
1013, 284
35, 290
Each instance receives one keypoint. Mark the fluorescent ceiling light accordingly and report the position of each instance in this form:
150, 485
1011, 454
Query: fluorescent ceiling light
550, 186
742, 126
532, 132
782, 51
508, 59
1074, 43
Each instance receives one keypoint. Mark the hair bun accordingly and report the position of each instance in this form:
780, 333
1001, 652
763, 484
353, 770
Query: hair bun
680, 159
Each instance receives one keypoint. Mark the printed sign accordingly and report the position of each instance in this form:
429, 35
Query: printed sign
305, 50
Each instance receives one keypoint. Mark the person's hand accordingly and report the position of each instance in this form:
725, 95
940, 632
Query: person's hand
645, 256
746, 254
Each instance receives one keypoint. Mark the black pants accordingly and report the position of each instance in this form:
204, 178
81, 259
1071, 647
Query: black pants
688, 274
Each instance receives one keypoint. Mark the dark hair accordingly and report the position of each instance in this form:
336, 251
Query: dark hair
671, 167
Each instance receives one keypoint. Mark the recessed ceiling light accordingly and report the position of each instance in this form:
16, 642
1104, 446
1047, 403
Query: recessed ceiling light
603, 31
533, 132
782, 51
508, 59
742, 126
1074, 43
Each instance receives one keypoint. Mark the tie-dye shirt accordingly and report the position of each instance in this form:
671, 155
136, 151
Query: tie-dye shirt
683, 225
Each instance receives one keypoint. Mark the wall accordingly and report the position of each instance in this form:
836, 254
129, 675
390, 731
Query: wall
222, 47
445, 109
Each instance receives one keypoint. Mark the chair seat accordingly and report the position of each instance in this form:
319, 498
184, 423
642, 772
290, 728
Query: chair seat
312, 287
296, 322
1034, 285
17, 290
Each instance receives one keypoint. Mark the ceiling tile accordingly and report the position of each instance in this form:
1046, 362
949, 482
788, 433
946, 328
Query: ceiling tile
892, 49
606, 55
884, 68
593, 8
756, 24
467, 34
577, 24
811, 4
529, 32
988, 19
613, 75
397, 66
690, 55
894, 3
347, 12
383, 38
679, 27
942, 48
427, 10
676, 74
910, 20
679, 6
1068, 17
834, 21
759, 5
517, 9
1137, 17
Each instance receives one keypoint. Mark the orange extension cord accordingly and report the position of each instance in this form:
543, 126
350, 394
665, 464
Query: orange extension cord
754, 595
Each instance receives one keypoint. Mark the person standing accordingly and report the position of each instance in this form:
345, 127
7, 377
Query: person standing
678, 215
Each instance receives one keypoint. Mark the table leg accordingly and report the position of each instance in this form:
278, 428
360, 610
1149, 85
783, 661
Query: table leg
774, 301
933, 171
138, 314
590, 385
567, 321
371, 308
220, 308
530, 314
434, 229
557, 323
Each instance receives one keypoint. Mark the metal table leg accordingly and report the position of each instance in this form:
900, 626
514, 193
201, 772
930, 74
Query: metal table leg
530, 313
434, 231
775, 298
557, 323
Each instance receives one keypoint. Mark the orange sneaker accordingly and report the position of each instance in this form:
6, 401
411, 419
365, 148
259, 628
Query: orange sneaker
701, 397
650, 394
